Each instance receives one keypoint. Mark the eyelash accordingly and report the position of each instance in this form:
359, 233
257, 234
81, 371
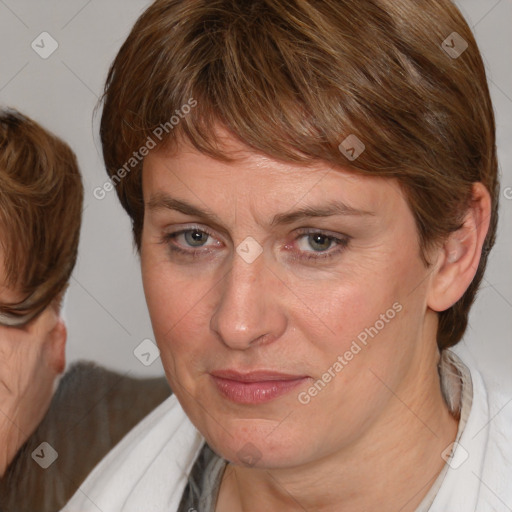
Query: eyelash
340, 243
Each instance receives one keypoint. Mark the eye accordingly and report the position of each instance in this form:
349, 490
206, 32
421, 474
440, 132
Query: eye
195, 238
321, 243
192, 238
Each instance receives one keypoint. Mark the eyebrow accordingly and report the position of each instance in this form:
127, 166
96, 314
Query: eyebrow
163, 201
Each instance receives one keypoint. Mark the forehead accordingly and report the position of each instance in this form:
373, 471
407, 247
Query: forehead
261, 181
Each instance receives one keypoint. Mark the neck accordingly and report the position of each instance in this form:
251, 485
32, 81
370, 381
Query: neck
391, 467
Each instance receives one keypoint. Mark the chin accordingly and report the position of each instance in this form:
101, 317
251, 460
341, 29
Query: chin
256, 443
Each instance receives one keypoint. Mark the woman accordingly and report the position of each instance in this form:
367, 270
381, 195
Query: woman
313, 192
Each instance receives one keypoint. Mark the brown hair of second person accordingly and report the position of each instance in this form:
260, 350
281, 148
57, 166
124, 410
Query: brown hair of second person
39, 182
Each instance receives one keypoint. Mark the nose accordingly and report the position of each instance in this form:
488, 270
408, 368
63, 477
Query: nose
248, 312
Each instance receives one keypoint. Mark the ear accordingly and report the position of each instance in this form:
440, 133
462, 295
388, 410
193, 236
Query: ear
460, 254
57, 338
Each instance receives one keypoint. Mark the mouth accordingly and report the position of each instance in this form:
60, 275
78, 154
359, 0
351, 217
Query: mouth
255, 387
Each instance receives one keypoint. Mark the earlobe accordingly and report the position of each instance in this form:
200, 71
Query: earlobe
460, 254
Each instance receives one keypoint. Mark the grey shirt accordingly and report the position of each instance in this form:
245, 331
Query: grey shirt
91, 411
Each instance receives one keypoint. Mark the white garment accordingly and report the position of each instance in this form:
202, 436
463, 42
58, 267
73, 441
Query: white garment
148, 470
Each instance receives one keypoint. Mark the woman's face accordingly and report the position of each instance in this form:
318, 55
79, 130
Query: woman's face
288, 309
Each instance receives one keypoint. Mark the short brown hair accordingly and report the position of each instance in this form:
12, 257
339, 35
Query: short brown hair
41, 197
294, 78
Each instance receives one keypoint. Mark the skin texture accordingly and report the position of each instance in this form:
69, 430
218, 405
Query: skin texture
31, 359
383, 413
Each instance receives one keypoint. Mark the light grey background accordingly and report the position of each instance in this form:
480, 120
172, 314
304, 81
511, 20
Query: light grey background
105, 308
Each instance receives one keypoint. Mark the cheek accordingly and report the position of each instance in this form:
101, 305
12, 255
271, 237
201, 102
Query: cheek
180, 311
335, 311
350, 365
373, 324
359, 322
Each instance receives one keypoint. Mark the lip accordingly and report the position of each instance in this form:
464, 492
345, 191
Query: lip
255, 387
